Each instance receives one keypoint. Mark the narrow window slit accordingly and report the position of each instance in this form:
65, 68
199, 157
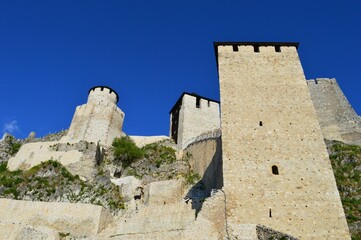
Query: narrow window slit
256, 48
275, 170
235, 48
260, 123
270, 213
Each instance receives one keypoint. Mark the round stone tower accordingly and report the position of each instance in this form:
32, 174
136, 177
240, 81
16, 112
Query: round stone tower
102, 94
99, 119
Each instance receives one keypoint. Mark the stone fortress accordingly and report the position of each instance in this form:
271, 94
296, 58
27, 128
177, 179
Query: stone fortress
262, 158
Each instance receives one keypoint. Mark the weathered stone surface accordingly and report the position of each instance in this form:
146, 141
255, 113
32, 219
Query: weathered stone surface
31, 154
205, 159
255, 232
276, 168
141, 141
193, 120
170, 221
77, 219
336, 116
99, 119
77, 157
164, 192
128, 186
18, 231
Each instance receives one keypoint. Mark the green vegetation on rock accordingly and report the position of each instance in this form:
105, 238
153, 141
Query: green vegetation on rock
159, 154
346, 163
52, 182
153, 162
192, 178
13, 145
126, 151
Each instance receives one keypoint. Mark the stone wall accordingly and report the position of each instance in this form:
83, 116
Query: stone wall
276, 169
195, 120
77, 157
99, 119
337, 118
205, 159
76, 219
141, 141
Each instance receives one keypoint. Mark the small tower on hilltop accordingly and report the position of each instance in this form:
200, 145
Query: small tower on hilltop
99, 119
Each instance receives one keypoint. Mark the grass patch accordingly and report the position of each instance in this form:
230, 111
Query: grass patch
159, 154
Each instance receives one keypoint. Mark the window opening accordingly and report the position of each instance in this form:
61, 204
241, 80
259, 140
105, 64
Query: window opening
260, 123
256, 48
235, 48
209, 104
275, 170
270, 213
278, 48
316, 81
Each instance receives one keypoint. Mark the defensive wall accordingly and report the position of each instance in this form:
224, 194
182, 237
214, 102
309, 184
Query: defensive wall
337, 118
77, 219
205, 158
276, 169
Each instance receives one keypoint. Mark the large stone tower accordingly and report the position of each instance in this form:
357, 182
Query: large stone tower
338, 120
99, 119
191, 116
276, 167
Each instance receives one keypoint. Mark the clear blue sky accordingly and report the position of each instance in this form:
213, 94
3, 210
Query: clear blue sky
53, 52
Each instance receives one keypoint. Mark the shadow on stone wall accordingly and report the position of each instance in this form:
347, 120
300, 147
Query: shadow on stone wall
211, 179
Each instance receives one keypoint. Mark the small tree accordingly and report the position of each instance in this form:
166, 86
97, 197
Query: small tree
13, 145
126, 151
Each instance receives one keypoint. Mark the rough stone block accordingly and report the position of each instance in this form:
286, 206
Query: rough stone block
73, 218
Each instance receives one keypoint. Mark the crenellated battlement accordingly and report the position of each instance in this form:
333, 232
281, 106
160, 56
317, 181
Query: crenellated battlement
102, 93
256, 47
322, 81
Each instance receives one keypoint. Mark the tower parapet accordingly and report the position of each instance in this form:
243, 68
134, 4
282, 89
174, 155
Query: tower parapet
102, 94
99, 119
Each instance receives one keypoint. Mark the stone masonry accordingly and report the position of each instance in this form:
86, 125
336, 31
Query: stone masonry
276, 167
191, 116
337, 118
99, 119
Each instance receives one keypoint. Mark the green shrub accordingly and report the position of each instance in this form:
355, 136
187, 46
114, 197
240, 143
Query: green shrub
3, 166
159, 154
126, 152
192, 177
13, 146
